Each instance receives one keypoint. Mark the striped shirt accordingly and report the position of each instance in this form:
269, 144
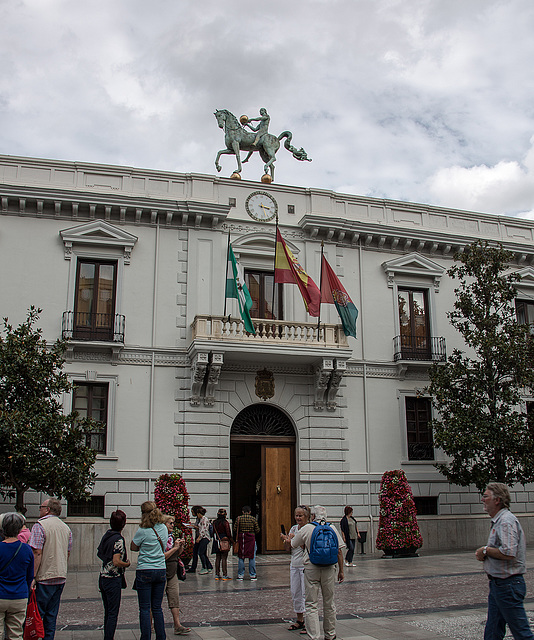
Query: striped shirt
508, 537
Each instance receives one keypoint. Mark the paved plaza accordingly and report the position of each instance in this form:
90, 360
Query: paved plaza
430, 597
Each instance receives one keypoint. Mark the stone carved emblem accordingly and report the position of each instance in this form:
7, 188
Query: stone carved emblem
264, 384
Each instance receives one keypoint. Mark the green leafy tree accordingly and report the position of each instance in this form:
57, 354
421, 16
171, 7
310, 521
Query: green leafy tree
41, 448
478, 393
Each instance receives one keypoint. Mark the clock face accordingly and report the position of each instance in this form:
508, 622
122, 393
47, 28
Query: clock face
261, 206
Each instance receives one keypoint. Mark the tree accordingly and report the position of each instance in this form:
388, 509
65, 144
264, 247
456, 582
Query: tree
481, 425
398, 531
41, 448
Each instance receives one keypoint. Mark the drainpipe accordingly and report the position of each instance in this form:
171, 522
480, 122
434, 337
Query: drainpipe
153, 346
370, 536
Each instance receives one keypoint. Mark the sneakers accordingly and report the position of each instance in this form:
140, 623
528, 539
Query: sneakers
240, 577
349, 564
253, 578
226, 578
203, 572
218, 578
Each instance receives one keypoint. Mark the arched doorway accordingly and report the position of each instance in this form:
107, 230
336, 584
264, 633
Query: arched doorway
262, 467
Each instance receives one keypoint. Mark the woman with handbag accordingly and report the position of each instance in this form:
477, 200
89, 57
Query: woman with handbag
112, 552
16, 576
150, 577
350, 533
222, 543
173, 550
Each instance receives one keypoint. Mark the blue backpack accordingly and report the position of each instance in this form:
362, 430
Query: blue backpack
324, 545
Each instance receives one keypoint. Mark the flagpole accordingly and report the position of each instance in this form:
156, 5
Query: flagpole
274, 270
321, 289
226, 271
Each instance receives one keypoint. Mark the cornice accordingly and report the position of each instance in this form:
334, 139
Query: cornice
42, 202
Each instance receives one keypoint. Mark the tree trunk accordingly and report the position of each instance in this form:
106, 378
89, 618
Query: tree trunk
19, 506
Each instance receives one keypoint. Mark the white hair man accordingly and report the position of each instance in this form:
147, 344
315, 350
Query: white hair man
504, 562
51, 541
319, 577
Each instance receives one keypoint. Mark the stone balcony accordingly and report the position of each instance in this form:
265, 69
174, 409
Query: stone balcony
322, 350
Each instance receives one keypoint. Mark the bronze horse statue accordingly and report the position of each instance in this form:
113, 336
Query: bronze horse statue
237, 139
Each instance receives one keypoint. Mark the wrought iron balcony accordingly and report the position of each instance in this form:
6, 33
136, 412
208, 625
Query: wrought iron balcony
421, 451
97, 327
275, 332
419, 348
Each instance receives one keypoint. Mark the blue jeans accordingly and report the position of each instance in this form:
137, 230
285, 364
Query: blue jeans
199, 551
150, 585
110, 589
48, 597
505, 607
351, 544
251, 565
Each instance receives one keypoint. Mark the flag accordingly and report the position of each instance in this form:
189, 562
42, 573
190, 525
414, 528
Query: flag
287, 269
333, 292
236, 288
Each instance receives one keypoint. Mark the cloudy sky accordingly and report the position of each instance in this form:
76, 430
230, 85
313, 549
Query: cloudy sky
428, 101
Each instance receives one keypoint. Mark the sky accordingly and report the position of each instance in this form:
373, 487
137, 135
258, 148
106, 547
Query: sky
428, 101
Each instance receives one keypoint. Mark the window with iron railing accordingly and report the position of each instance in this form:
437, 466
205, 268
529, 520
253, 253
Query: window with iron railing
94, 304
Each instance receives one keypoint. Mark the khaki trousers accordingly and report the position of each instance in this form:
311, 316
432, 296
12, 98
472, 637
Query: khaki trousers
323, 578
13, 614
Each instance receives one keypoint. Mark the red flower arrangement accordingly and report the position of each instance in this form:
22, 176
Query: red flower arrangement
172, 498
398, 530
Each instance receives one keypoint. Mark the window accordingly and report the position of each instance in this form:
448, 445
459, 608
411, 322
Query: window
426, 506
94, 507
524, 311
91, 401
260, 285
94, 304
414, 324
530, 417
419, 432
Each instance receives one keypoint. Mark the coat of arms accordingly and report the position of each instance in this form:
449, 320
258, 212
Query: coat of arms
264, 384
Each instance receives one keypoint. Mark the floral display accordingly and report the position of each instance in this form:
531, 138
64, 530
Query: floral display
172, 498
398, 530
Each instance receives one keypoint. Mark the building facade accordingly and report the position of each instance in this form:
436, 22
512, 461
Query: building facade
130, 265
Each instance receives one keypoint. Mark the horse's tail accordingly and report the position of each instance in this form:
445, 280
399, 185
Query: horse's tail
298, 154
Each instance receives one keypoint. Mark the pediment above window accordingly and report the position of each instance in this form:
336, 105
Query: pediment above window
526, 277
413, 265
98, 233
257, 249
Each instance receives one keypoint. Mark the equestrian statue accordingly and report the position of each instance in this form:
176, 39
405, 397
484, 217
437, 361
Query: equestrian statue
238, 139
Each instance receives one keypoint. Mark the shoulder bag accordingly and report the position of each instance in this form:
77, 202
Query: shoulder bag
224, 545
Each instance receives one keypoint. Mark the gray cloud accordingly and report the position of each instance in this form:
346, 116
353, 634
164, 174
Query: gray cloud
421, 100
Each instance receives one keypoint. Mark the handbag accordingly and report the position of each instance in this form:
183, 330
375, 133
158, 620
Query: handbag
224, 545
34, 628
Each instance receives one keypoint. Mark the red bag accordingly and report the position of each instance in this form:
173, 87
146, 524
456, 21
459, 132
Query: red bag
34, 625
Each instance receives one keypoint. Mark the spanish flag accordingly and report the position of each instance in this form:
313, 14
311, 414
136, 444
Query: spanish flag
287, 269
333, 292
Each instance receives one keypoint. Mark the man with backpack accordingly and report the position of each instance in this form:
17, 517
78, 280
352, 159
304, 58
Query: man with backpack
322, 559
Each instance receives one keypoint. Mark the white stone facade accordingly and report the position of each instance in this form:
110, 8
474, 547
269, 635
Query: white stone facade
179, 374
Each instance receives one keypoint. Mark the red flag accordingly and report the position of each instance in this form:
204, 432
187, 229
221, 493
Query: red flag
287, 269
333, 292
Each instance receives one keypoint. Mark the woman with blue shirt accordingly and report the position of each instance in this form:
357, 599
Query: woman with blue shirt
16, 575
149, 540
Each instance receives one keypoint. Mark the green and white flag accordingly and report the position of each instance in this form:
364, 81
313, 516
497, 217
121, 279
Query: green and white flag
236, 288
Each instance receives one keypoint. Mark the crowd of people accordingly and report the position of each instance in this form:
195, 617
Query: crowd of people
37, 560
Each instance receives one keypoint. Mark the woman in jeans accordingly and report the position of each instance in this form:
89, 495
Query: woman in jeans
350, 533
149, 540
202, 539
112, 552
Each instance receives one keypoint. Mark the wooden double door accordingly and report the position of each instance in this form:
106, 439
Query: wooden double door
263, 477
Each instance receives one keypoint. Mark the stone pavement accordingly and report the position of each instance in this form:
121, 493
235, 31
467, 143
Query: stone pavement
427, 598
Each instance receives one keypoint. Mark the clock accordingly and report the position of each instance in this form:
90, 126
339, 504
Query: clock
261, 206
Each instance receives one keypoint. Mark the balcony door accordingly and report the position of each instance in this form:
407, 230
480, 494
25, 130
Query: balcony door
414, 324
94, 306
260, 285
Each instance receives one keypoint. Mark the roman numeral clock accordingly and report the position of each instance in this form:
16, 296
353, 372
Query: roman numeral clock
261, 206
